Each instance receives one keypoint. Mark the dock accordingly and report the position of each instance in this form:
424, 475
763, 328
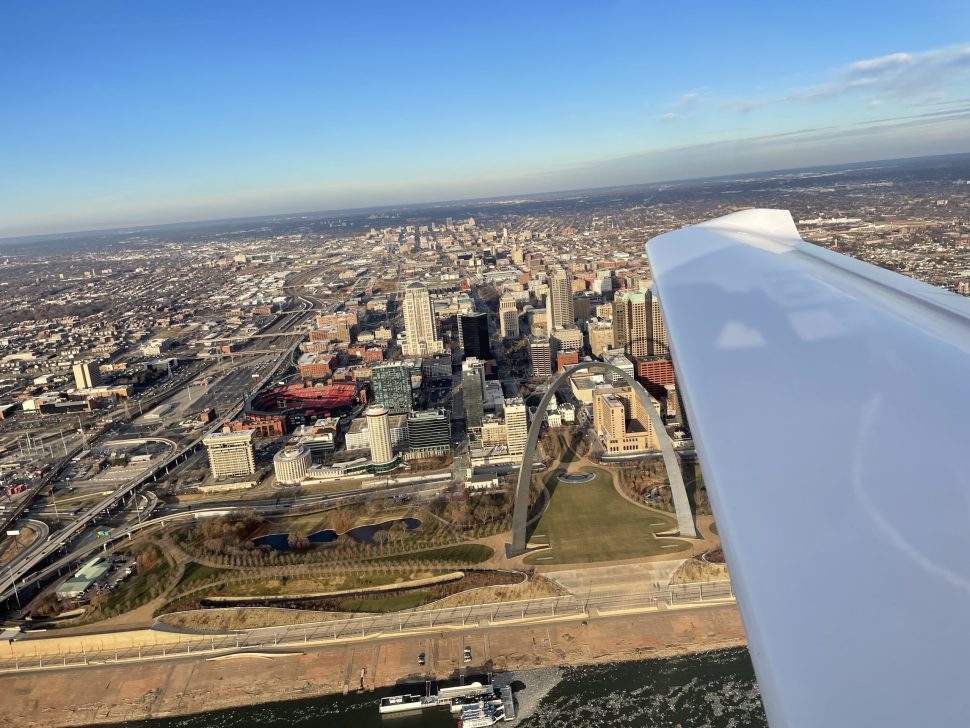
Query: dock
508, 703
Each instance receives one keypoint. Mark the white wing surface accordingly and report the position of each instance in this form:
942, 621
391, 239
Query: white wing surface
829, 401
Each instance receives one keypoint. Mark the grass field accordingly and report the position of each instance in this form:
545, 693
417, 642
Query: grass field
588, 522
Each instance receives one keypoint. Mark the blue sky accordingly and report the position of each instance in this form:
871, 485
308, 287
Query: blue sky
125, 113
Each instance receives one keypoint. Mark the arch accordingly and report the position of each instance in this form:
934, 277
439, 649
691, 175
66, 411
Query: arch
685, 518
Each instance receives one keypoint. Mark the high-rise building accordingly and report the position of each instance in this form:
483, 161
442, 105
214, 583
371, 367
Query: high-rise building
621, 422
419, 323
86, 375
473, 391
391, 384
631, 322
540, 354
473, 332
560, 301
600, 337
638, 325
568, 339
291, 465
230, 453
658, 333
508, 316
516, 425
429, 433
379, 435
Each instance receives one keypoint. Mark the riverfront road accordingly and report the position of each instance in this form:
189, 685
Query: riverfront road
168, 643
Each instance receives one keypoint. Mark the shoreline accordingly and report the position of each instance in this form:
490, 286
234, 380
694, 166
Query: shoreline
112, 694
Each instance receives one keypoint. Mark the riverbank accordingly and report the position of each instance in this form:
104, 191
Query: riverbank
114, 694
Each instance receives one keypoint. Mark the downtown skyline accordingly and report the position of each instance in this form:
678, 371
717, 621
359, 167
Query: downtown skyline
123, 116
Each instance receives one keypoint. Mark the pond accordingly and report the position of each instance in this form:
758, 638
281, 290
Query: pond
360, 534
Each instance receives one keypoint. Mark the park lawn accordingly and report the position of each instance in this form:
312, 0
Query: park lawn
311, 584
466, 553
195, 574
406, 600
589, 522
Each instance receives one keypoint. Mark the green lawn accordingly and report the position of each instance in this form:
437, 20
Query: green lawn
405, 600
470, 553
588, 522
195, 574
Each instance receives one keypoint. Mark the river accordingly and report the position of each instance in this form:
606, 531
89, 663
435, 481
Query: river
713, 689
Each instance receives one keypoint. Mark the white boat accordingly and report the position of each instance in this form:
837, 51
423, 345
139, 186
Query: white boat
402, 703
481, 714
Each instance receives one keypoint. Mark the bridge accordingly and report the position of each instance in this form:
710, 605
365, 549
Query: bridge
685, 518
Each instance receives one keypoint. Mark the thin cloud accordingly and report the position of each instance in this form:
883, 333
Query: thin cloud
686, 100
744, 105
670, 116
893, 75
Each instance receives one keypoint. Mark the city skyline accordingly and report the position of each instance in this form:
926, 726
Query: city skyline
214, 116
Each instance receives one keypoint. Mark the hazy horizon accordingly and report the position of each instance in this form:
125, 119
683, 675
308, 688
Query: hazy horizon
122, 115
451, 202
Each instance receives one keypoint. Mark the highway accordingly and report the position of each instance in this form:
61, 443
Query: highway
21, 569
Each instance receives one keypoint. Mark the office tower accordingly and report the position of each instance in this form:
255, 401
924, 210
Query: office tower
291, 464
379, 435
560, 297
508, 316
473, 328
659, 331
230, 453
540, 354
391, 384
621, 422
568, 340
473, 391
86, 375
419, 323
600, 337
429, 433
631, 322
516, 425
581, 307
638, 326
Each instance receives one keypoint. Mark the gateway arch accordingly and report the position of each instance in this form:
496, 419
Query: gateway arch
520, 514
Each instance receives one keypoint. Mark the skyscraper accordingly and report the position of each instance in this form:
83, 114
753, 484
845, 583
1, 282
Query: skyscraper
516, 425
473, 391
508, 315
429, 433
419, 323
658, 334
631, 322
473, 328
86, 375
540, 354
638, 326
379, 435
560, 301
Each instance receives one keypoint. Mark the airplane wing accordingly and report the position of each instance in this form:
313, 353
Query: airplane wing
829, 401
